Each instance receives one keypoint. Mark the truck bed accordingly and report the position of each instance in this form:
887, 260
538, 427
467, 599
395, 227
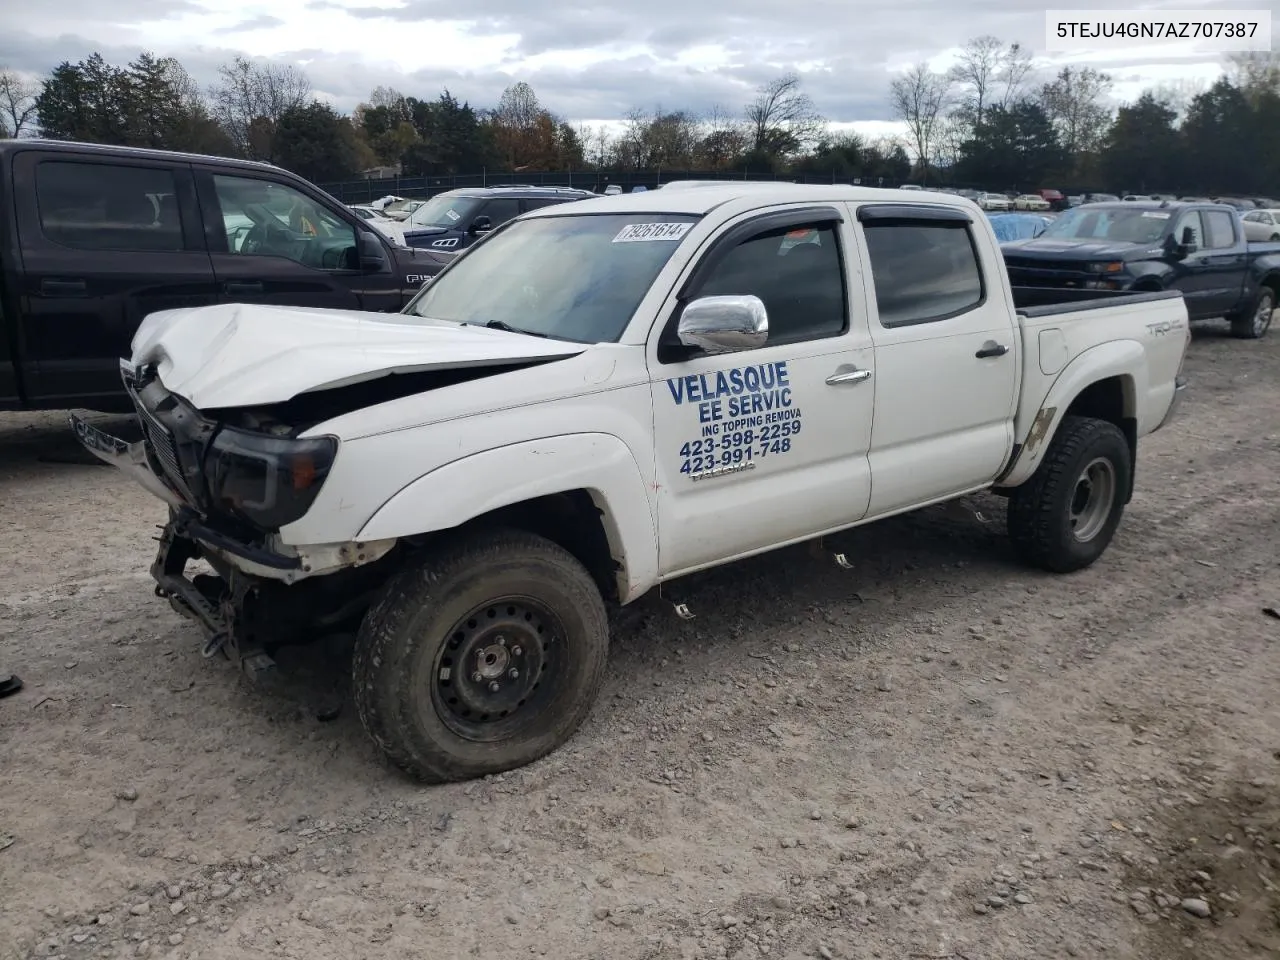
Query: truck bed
1048, 301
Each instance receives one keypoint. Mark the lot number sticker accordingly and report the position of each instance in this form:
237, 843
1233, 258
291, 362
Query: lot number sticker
639, 232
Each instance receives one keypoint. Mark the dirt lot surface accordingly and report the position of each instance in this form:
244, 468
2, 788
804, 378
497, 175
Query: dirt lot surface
935, 755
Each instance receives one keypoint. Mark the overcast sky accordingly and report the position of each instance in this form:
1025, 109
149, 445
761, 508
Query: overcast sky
591, 62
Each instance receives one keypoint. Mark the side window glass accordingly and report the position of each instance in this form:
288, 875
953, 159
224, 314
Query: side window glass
1189, 221
797, 274
97, 206
923, 272
536, 203
1220, 230
267, 219
501, 210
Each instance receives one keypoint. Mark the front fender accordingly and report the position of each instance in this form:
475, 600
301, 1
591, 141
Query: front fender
1126, 359
478, 484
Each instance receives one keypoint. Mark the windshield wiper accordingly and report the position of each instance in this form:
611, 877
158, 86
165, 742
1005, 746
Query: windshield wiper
503, 325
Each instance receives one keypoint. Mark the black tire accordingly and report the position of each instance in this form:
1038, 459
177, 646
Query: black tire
1253, 324
1043, 521
502, 590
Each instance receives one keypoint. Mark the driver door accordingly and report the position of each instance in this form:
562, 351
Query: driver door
271, 243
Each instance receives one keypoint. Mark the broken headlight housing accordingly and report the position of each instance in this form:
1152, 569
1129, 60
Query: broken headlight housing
268, 481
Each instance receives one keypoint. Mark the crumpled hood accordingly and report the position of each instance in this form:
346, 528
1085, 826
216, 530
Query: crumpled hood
237, 355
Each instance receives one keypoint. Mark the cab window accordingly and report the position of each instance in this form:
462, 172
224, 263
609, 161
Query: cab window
267, 219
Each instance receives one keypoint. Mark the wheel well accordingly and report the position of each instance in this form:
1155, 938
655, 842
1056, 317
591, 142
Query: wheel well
1272, 281
1111, 400
570, 519
1148, 285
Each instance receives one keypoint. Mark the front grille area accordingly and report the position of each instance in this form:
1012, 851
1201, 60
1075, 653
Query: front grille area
159, 439
161, 443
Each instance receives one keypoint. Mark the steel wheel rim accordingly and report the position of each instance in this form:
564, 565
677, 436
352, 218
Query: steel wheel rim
1092, 499
1262, 319
515, 643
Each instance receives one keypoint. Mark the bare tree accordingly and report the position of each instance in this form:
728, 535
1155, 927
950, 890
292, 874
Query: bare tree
919, 99
1178, 94
980, 62
658, 139
250, 98
722, 141
1255, 72
782, 118
17, 103
385, 97
1076, 103
989, 74
598, 148
1013, 76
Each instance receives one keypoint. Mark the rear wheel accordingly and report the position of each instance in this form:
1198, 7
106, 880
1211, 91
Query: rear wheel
1063, 518
1253, 324
483, 658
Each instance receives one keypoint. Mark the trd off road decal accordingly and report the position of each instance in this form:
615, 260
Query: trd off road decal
744, 415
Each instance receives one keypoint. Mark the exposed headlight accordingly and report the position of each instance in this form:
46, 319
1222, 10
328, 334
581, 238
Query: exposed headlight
1114, 266
268, 481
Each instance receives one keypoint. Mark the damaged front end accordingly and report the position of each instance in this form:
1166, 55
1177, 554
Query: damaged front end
231, 482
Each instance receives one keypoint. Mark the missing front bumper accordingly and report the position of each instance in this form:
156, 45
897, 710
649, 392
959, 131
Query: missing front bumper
129, 457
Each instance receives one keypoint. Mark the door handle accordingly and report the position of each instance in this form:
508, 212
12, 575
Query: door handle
851, 376
62, 288
992, 349
243, 286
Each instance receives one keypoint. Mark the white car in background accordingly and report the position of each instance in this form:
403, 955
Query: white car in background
994, 201
392, 229
1261, 226
1030, 201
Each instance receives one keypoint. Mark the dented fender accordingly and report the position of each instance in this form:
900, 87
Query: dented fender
1126, 359
483, 482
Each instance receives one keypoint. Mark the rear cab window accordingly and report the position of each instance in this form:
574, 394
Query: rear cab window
100, 206
923, 271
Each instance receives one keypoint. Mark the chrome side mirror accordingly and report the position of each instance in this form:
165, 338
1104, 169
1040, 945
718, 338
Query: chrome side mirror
724, 324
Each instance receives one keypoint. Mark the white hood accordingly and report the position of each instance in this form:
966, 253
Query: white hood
238, 355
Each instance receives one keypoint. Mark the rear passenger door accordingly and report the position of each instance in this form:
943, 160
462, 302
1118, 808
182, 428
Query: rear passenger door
271, 243
104, 242
946, 355
1226, 262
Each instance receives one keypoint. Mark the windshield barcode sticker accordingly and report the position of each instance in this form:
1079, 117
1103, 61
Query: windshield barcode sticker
1155, 214
636, 232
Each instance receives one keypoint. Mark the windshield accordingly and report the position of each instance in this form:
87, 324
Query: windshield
576, 278
444, 211
1110, 223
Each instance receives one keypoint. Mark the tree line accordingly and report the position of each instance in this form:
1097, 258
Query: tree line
992, 121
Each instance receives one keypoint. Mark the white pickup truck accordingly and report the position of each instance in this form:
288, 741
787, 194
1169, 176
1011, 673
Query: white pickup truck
601, 397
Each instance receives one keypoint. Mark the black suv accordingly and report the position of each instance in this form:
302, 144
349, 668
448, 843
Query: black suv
452, 221
94, 238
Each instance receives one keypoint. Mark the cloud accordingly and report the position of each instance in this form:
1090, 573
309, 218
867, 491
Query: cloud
262, 21
596, 60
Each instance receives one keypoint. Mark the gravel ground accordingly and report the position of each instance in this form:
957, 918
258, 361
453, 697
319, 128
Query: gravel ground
934, 755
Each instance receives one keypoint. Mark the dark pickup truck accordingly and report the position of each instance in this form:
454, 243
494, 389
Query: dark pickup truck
1196, 248
93, 238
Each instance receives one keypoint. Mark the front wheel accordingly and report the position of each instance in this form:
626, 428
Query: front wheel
1064, 516
485, 657
1253, 324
